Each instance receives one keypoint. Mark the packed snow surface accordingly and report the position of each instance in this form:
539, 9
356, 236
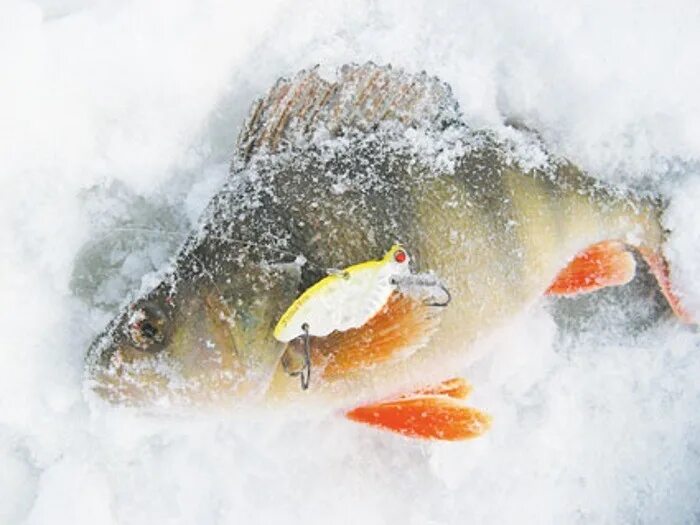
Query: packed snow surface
117, 123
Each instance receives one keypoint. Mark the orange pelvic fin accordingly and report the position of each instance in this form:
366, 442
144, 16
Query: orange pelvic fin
659, 268
456, 387
431, 413
607, 263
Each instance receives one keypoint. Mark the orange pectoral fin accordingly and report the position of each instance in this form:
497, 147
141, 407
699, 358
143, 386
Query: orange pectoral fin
607, 263
659, 268
403, 325
426, 417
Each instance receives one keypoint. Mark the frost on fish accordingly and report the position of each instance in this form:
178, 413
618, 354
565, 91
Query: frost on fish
328, 174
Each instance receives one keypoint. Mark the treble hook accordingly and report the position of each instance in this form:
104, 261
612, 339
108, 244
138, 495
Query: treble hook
305, 373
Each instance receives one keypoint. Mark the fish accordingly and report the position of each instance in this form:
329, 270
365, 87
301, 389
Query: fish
329, 178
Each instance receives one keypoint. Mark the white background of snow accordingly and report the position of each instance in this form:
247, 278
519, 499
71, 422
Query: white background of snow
142, 91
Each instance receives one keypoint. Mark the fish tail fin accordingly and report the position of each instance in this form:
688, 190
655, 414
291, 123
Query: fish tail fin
650, 246
362, 98
659, 268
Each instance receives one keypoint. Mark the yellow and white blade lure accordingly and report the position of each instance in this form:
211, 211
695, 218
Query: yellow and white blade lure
346, 299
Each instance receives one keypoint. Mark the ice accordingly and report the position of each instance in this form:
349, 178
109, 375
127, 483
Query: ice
683, 250
118, 119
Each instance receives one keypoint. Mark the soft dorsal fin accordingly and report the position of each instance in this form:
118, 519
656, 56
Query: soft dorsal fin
362, 97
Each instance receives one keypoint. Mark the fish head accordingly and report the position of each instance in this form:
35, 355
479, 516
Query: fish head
196, 337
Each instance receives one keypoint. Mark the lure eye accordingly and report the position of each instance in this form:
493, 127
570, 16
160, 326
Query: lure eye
400, 256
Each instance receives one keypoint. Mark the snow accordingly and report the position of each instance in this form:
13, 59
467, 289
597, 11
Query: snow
118, 119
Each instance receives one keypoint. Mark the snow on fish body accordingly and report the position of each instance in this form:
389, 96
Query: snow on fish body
328, 175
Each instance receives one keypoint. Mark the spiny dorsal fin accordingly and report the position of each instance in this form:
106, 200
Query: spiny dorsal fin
362, 98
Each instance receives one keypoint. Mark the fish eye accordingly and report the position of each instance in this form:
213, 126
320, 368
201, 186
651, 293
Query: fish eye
145, 327
148, 330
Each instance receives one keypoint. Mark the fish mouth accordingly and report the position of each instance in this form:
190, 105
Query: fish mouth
158, 379
125, 374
